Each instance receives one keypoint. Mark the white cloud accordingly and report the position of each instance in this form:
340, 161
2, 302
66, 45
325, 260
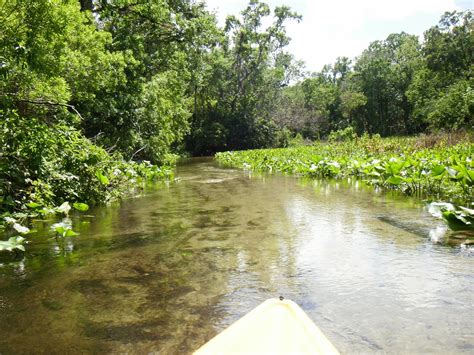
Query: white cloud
333, 28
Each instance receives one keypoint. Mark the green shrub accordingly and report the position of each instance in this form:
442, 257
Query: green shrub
346, 134
45, 164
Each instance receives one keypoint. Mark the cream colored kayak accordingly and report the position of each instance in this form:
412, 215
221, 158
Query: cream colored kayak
274, 327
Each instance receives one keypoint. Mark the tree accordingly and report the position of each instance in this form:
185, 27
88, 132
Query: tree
441, 90
49, 55
383, 73
322, 101
329, 100
146, 115
248, 69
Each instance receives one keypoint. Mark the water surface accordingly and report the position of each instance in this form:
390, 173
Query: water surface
167, 271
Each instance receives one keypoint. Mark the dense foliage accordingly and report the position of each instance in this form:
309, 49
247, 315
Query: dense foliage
42, 166
120, 73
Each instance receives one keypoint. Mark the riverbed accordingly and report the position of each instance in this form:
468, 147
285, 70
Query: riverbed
166, 271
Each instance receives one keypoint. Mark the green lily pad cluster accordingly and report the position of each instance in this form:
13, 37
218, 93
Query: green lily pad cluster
441, 172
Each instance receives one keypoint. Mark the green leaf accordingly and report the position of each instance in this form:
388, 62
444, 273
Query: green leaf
20, 229
33, 205
469, 177
436, 209
452, 172
438, 170
102, 178
63, 229
60, 228
13, 243
17, 239
47, 211
83, 207
468, 211
456, 221
9, 220
70, 233
5, 245
394, 180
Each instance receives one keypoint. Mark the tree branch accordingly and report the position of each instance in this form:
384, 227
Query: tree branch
50, 103
138, 151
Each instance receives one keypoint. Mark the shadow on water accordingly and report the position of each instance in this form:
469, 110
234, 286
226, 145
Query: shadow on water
420, 231
167, 271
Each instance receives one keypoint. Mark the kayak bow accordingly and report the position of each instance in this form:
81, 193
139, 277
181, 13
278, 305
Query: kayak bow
277, 326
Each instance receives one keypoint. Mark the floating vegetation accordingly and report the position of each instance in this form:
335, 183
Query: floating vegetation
458, 218
441, 172
13, 243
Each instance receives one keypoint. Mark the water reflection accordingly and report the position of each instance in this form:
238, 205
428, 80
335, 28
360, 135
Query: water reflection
166, 271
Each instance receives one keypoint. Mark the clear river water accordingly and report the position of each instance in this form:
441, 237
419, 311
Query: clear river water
164, 272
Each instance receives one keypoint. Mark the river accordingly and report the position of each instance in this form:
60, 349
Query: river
165, 272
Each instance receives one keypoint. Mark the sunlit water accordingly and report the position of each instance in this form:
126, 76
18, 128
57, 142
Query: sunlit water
167, 271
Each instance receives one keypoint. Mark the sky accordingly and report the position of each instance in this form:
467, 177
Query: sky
333, 28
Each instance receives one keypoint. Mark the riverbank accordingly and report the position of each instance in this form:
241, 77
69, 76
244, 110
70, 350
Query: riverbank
432, 167
48, 169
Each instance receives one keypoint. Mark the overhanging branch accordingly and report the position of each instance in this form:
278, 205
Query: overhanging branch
50, 103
